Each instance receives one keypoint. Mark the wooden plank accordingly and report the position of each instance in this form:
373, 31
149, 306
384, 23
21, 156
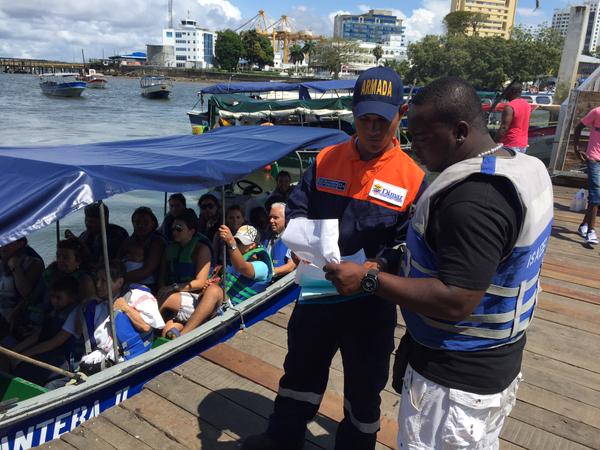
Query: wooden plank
85, 439
585, 314
249, 395
583, 281
557, 424
559, 384
131, 423
177, 423
268, 376
114, 435
566, 344
56, 444
532, 438
567, 290
573, 409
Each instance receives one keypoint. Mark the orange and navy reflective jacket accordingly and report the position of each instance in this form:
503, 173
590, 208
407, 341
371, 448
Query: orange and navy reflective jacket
371, 199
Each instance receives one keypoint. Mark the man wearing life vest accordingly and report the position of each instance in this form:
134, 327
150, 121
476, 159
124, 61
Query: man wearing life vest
250, 273
368, 184
278, 251
471, 274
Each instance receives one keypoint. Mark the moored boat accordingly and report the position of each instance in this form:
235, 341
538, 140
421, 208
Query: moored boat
156, 86
94, 80
62, 84
78, 175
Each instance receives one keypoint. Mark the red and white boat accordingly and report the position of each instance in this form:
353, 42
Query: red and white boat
95, 80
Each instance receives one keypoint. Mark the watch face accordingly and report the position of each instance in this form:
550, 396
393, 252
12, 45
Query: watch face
369, 284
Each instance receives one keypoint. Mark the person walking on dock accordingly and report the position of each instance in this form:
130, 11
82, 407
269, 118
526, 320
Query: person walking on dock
368, 184
592, 159
471, 274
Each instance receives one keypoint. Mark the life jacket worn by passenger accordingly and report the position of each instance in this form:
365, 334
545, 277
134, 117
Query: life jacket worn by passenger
506, 309
239, 287
182, 267
277, 252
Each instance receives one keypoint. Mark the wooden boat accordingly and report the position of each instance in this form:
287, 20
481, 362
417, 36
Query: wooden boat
156, 86
62, 84
30, 416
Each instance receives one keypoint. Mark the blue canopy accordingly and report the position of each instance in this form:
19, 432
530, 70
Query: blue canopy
40, 185
267, 86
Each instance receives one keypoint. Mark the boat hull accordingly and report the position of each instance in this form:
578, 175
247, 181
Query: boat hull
97, 84
160, 91
74, 89
68, 407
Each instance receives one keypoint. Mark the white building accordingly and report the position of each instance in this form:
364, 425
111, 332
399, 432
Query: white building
560, 22
393, 49
194, 46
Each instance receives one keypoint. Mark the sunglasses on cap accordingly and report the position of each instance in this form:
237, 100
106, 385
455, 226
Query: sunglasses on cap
177, 227
207, 206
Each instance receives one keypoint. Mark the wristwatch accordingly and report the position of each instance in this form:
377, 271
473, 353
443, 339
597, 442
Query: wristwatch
370, 283
232, 247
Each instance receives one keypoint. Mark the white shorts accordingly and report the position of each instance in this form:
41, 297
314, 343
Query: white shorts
189, 301
434, 417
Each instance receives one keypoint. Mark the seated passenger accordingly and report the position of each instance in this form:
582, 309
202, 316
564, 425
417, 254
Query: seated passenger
21, 271
133, 258
55, 342
177, 205
234, 219
136, 318
279, 253
210, 217
185, 268
145, 236
284, 187
91, 238
259, 219
250, 272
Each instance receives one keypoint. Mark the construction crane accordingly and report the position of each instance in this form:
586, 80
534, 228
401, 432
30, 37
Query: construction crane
281, 32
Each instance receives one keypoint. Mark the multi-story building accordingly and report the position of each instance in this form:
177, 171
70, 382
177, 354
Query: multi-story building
500, 15
194, 46
560, 22
374, 26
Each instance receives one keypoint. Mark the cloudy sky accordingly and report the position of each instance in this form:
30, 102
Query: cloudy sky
59, 29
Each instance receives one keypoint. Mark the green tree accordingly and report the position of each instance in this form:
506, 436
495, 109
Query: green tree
331, 54
257, 48
401, 67
476, 20
228, 49
296, 55
309, 49
457, 22
377, 53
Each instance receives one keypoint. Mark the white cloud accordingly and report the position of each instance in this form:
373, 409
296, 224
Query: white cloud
335, 13
530, 12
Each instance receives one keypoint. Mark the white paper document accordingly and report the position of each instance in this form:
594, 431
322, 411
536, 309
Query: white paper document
315, 242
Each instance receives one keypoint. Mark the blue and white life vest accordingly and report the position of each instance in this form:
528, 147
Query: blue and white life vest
506, 309
277, 251
132, 342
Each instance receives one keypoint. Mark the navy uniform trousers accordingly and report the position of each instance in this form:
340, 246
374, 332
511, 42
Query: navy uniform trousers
363, 330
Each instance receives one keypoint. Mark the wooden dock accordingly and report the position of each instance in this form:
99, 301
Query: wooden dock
227, 393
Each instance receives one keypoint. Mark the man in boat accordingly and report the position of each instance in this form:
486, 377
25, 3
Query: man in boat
91, 238
368, 183
284, 188
280, 254
471, 273
250, 273
514, 124
177, 205
591, 157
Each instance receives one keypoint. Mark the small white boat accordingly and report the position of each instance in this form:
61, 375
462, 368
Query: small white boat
62, 84
94, 80
156, 86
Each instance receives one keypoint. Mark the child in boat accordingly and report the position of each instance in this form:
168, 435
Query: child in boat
134, 259
250, 272
55, 342
136, 318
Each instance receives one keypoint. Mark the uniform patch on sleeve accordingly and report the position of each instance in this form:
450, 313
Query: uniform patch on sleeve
387, 192
328, 183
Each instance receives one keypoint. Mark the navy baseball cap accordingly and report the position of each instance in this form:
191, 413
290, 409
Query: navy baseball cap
378, 91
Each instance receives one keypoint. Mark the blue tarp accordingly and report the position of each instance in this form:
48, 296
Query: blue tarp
266, 86
40, 185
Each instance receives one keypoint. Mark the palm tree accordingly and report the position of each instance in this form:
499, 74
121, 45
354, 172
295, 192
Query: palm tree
377, 53
309, 49
296, 55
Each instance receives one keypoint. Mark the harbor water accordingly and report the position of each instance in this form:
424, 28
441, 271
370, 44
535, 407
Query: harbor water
119, 112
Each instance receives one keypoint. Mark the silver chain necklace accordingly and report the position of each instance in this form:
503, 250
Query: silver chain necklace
490, 151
